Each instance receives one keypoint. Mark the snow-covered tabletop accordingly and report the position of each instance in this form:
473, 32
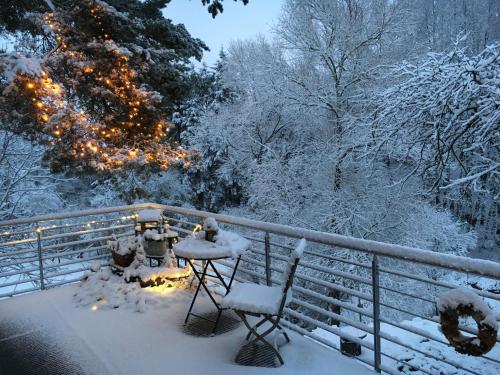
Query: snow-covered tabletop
226, 245
148, 215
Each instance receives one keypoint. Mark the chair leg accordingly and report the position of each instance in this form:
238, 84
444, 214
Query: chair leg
261, 336
219, 313
282, 331
256, 326
251, 330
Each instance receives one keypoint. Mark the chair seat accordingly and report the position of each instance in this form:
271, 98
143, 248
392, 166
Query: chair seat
254, 298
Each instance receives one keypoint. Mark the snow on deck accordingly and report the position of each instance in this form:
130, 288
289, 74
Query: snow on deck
124, 341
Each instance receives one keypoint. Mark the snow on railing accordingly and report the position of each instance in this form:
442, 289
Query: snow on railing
473, 266
377, 295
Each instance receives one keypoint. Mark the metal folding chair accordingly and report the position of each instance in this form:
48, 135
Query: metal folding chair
266, 302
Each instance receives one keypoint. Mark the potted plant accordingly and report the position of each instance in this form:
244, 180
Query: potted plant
156, 244
148, 219
211, 228
122, 251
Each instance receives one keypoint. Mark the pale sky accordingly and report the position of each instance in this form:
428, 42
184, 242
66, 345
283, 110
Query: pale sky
237, 21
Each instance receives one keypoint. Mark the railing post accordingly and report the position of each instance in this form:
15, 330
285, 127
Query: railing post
376, 315
267, 250
38, 231
134, 214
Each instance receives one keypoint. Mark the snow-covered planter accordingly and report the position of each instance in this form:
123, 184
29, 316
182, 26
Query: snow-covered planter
463, 302
156, 244
211, 228
123, 250
147, 276
148, 219
348, 347
161, 244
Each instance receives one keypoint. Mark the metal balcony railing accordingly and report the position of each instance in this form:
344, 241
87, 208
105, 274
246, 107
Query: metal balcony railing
341, 281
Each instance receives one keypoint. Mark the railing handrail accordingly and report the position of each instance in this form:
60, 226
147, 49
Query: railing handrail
453, 262
70, 214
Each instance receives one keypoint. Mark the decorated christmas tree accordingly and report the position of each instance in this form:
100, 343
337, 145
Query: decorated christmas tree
95, 81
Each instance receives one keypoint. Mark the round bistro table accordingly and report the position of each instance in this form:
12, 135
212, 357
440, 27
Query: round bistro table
230, 245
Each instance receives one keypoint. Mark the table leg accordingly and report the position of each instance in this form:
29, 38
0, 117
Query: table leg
202, 279
219, 276
234, 274
200, 283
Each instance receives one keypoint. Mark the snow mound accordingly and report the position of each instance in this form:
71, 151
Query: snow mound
238, 243
103, 290
210, 224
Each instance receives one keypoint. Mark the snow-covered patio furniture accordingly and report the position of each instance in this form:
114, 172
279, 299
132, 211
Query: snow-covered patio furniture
266, 302
226, 245
148, 219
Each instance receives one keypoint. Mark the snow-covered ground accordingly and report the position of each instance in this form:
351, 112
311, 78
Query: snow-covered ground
124, 340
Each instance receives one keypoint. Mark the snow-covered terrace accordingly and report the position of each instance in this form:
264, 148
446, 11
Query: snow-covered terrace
49, 331
385, 292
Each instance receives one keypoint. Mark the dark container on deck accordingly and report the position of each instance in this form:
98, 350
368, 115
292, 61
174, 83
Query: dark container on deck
210, 234
349, 348
123, 260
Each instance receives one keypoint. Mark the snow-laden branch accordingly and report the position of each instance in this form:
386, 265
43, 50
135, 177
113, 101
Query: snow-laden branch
444, 116
473, 177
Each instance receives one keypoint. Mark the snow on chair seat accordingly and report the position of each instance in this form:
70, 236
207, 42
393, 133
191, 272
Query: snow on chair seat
254, 298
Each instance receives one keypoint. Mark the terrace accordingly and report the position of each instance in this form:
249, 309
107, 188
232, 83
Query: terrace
377, 295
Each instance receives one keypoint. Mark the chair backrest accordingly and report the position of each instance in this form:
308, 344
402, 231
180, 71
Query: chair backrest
293, 262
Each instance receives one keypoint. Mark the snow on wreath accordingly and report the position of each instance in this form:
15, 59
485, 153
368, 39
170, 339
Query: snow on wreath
463, 302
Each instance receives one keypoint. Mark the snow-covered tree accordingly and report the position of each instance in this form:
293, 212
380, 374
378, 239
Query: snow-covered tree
96, 81
25, 186
336, 46
443, 118
431, 26
286, 161
211, 188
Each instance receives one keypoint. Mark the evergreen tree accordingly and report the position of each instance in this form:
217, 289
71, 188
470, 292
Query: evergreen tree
96, 81
215, 6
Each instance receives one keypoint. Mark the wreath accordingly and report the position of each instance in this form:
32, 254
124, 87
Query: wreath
463, 302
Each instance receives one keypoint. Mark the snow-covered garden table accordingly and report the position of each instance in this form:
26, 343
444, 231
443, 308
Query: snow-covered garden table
227, 245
